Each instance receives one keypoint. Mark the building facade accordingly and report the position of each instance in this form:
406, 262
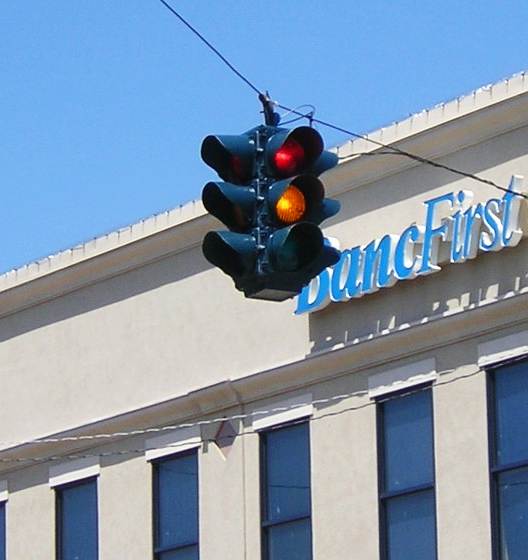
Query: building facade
149, 410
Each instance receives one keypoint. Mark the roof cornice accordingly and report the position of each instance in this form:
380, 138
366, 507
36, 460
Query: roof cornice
433, 133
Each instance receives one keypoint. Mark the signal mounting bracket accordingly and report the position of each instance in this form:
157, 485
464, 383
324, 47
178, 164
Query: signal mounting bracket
271, 118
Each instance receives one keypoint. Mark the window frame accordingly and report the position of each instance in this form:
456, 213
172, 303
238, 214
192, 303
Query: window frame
156, 549
58, 512
3, 528
494, 469
265, 524
384, 496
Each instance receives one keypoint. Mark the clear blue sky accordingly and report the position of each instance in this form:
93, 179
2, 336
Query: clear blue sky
104, 103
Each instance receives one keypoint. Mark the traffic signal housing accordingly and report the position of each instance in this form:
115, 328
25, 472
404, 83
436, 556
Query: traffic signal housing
234, 251
232, 157
272, 206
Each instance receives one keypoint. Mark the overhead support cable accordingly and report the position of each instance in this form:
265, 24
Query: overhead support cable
267, 102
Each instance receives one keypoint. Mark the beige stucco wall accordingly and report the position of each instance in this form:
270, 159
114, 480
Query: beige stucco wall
176, 328
344, 480
183, 323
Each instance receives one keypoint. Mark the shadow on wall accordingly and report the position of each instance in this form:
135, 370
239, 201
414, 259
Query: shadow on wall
126, 285
456, 287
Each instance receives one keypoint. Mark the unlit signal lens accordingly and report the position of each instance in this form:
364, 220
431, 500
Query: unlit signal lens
237, 167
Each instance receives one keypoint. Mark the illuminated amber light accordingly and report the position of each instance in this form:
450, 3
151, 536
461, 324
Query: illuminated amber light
291, 205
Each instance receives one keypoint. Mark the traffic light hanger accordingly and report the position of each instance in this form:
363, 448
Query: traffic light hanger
271, 118
272, 202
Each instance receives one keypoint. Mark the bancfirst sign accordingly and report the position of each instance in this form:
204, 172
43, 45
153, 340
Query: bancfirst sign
453, 224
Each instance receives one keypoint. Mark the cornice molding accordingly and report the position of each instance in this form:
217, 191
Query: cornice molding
389, 348
466, 121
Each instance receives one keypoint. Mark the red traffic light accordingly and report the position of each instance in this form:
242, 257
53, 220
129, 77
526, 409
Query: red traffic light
272, 203
290, 152
289, 158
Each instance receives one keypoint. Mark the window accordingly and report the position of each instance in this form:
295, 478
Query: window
406, 474
2, 530
176, 507
285, 489
77, 520
509, 459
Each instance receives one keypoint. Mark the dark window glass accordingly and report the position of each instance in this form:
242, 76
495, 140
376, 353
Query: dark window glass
510, 460
407, 477
288, 473
408, 441
513, 504
411, 526
2, 531
77, 521
511, 391
290, 541
287, 530
176, 508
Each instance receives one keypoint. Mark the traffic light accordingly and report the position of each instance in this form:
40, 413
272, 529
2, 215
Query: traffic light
234, 159
272, 203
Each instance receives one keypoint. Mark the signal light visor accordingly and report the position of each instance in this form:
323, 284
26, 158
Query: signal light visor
232, 157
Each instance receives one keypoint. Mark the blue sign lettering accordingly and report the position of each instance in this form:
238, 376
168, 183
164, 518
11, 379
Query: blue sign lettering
488, 226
